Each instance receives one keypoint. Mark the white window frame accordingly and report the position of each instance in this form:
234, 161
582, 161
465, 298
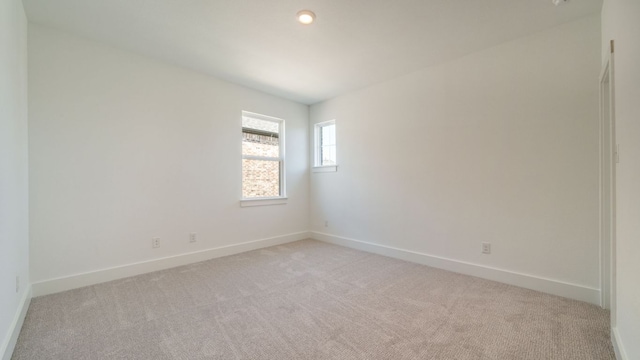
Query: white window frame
317, 161
274, 200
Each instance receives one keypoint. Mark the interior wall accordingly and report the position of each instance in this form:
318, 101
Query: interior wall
125, 148
14, 230
499, 146
621, 22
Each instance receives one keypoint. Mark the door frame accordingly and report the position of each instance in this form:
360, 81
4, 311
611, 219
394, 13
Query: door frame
608, 159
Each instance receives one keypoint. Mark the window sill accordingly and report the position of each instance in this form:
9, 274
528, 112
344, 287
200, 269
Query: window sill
328, 168
263, 202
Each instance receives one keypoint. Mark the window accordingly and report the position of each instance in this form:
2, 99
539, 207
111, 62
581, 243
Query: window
325, 146
262, 157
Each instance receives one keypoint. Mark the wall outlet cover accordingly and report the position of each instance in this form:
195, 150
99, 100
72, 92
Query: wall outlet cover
486, 248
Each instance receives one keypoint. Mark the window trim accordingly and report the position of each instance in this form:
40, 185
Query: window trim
263, 201
325, 168
271, 200
317, 148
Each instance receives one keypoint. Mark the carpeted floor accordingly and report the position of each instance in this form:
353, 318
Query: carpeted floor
310, 300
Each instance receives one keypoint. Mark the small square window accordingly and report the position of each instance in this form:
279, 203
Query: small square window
325, 144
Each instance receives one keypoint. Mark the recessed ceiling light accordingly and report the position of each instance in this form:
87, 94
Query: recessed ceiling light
559, 2
306, 17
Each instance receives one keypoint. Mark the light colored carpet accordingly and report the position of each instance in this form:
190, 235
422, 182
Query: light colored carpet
310, 300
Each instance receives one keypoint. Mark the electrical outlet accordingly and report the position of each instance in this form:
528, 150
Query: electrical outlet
486, 248
326, 223
192, 237
17, 283
155, 243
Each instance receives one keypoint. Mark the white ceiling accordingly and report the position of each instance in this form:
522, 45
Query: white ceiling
259, 44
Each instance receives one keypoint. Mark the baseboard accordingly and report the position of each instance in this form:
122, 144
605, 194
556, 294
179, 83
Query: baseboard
532, 282
8, 344
621, 354
51, 286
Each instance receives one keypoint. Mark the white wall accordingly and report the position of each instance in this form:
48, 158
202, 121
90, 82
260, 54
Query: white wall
621, 22
500, 146
14, 228
124, 148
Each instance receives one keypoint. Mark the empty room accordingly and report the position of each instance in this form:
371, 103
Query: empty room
285, 179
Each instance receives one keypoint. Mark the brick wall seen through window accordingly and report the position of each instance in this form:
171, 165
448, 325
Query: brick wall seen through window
262, 158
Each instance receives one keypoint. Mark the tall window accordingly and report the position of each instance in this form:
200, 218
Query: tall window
325, 139
262, 156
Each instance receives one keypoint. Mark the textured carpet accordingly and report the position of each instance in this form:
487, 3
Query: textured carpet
310, 300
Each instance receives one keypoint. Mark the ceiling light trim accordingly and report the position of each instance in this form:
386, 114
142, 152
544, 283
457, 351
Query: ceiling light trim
306, 17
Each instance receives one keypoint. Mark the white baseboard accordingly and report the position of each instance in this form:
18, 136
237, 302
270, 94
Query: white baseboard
621, 354
550, 286
55, 285
8, 344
